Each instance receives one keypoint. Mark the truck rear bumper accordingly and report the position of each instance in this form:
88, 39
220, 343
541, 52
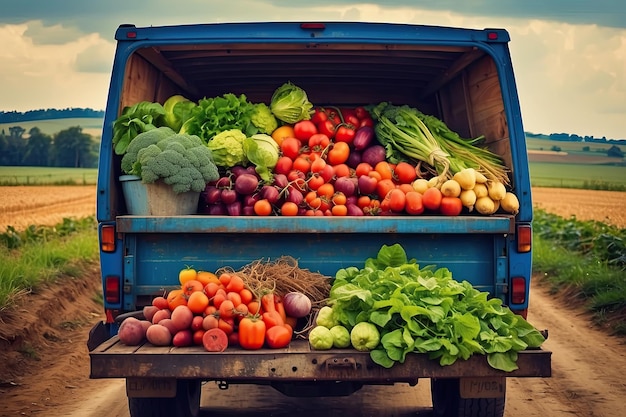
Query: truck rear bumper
298, 362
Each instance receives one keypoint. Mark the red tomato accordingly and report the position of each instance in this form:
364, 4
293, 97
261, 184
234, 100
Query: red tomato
318, 142
405, 173
318, 165
384, 186
361, 112
414, 204
304, 129
290, 147
328, 128
315, 182
342, 170
278, 337
363, 168
432, 198
283, 165
319, 116
339, 153
328, 172
302, 164
345, 134
397, 200
451, 206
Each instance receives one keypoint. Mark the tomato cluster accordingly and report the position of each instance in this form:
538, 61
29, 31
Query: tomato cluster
325, 168
224, 303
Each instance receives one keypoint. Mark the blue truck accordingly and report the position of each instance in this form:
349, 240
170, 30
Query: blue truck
463, 76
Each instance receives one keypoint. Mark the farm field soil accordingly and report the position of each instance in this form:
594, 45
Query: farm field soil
45, 362
22, 206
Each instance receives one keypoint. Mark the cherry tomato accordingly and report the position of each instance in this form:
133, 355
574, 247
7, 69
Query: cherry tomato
304, 129
262, 207
342, 170
361, 112
383, 187
363, 168
319, 116
450, 206
385, 169
315, 181
318, 142
318, 165
289, 208
339, 210
302, 164
366, 122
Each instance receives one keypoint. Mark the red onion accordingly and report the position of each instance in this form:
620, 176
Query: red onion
296, 304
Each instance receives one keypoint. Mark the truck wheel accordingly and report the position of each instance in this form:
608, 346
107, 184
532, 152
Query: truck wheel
185, 404
447, 401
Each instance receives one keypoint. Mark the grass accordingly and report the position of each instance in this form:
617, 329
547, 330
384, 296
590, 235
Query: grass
584, 262
16, 175
40, 255
586, 176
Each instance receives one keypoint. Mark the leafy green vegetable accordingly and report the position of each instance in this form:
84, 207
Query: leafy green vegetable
263, 152
410, 134
178, 109
227, 148
218, 114
263, 119
290, 104
425, 310
134, 120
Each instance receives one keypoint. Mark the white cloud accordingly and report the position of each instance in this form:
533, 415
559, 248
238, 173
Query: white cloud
570, 78
36, 75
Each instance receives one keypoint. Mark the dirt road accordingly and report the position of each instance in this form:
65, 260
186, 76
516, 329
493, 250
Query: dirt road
588, 379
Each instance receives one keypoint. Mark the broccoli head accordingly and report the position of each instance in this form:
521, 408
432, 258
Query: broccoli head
180, 160
140, 142
263, 119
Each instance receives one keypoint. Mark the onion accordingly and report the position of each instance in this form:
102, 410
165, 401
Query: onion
373, 155
296, 304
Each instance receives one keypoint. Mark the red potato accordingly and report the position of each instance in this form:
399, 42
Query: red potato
182, 317
183, 338
149, 311
169, 324
131, 332
145, 324
159, 335
160, 315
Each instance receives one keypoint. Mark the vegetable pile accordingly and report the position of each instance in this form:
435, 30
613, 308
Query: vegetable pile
396, 308
297, 159
265, 304
389, 308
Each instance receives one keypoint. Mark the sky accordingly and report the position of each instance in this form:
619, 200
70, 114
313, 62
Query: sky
569, 56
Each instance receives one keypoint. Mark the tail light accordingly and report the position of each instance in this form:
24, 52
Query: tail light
524, 238
112, 289
518, 290
107, 238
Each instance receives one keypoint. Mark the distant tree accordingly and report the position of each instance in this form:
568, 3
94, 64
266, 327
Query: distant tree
37, 148
12, 150
16, 131
73, 148
586, 148
556, 148
615, 151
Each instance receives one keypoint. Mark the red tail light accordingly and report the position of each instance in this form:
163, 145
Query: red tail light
518, 290
112, 289
107, 238
524, 238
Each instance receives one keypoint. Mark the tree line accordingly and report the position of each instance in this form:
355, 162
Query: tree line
69, 148
46, 114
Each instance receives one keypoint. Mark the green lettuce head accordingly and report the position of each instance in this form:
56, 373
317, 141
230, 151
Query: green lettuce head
227, 148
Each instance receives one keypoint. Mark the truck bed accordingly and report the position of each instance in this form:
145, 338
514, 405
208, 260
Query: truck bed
297, 362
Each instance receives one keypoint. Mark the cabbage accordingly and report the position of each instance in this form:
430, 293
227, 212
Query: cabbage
227, 148
290, 104
262, 151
